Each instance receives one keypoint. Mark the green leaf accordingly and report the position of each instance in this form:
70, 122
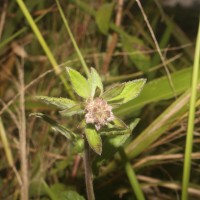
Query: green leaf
135, 47
114, 131
131, 90
103, 17
77, 109
113, 91
79, 83
113, 139
62, 103
110, 147
134, 124
119, 123
119, 128
78, 146
36, 187
57, 127
95, 82
70, 195
158, 89
93, 139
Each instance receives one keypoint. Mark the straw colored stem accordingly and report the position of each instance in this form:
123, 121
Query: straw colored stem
22, 138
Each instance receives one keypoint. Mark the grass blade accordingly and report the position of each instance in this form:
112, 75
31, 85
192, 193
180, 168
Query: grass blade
131, 175
72, 39
6, 144
191, 117
44, 45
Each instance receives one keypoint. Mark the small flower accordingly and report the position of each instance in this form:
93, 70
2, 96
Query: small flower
98, 112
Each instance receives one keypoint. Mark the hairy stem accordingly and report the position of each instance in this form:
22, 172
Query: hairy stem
88, 173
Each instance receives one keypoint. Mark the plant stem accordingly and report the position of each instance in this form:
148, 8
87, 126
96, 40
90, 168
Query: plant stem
88, 172
22, 138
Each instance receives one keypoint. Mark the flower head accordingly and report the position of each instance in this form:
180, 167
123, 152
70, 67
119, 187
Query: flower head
98, 112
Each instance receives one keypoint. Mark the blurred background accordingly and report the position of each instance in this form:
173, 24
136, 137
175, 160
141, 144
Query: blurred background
116, 39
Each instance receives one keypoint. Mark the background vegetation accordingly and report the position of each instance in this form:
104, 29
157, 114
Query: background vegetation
120, 39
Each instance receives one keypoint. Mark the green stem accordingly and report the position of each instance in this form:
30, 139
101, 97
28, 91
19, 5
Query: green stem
131, 175
73, 40
44, 45
88, 172
191, 117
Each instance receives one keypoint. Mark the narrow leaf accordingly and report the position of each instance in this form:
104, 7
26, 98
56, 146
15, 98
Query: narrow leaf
134, 124
114, 131
95, 82
61, 103
94, 139
119, 128
79, 83
103, 17
57, 127
131, 90
113, 91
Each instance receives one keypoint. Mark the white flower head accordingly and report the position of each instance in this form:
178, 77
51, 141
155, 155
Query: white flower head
98, 112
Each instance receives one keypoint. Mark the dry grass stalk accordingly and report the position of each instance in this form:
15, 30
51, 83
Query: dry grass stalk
22, 136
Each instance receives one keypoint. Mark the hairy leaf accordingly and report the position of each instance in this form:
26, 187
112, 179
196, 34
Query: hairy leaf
62, 103
79, 83
95, 82
93, 139
131, 90
113, 91
77, 109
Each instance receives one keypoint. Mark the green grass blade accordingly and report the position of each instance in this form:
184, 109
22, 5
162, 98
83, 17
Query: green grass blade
44, 45
191, 117
5, 143
72, 39
131, 176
